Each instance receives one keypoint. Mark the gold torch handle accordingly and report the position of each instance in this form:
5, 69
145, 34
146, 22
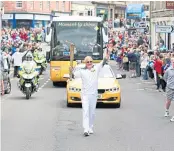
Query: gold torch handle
71, 59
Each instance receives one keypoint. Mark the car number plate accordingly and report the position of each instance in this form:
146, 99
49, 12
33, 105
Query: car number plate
99, 96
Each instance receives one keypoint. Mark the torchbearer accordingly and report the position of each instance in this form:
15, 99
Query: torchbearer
89, 76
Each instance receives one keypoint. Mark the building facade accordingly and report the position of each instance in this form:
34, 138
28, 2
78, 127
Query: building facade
162, 18
32, 13
84, 8
110, 9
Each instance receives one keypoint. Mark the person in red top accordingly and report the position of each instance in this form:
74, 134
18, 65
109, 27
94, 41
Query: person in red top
158, 68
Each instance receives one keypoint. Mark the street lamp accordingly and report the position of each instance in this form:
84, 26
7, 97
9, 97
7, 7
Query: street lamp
150, 26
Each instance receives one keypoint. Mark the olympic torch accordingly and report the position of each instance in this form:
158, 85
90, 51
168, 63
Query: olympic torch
71, 59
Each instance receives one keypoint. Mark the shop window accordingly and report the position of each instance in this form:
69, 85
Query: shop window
23, 23
154, 5
19, 4
6, 23
41, 5
80, 14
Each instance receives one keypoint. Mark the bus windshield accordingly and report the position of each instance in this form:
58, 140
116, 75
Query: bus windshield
82, 34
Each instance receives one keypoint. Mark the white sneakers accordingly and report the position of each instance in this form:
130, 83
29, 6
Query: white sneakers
91, 131
87, 133
172, 119
167, 115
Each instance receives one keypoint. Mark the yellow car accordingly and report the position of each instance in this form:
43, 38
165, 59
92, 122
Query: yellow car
109, 91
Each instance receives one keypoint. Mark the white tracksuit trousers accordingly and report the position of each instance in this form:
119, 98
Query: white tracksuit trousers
89, 102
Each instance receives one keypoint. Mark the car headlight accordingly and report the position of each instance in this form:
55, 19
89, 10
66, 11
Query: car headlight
73, 89
114, 89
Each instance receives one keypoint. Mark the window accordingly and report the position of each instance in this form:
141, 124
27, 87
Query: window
48, 3
57, 5
154, 5
19, 4
31, 4
41, 5
63, 6
89, 13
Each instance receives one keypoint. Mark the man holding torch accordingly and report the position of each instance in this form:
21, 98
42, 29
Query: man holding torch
89, 76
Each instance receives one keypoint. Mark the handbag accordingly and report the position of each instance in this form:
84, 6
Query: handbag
125, 59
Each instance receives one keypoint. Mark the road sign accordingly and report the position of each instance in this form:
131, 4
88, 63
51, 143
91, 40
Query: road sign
164, 29
139, 25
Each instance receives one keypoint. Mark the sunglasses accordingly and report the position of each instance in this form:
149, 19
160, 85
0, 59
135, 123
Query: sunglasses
89, 62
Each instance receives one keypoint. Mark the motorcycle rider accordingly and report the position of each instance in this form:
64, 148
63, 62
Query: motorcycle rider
31, 64
39, 55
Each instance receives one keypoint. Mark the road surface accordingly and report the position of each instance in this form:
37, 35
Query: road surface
44, 123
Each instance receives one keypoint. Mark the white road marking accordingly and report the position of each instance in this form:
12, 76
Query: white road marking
140, 89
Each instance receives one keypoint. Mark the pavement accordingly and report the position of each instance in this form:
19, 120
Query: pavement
44, 123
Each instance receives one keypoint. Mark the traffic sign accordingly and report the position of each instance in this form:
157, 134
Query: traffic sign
164, 29
140, 25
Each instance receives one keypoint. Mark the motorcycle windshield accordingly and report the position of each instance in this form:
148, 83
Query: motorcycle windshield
28, 68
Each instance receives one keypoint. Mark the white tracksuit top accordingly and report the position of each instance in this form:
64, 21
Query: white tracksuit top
89, 78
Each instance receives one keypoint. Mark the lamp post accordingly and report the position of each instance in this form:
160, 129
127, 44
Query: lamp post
150, 26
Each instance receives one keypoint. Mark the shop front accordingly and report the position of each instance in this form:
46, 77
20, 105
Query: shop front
41, 20
164, 28
7, 20
23, 20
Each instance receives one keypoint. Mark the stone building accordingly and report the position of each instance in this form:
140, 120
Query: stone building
162, 20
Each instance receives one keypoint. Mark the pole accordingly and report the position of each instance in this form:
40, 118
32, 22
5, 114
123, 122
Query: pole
150, 26
71, 59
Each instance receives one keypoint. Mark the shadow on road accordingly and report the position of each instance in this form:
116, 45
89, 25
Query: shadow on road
22, 98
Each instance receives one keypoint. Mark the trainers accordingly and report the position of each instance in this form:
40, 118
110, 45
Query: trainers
166, 114
86, 134
172, 119
91, 131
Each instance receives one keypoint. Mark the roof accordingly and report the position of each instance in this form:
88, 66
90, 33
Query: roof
78, 18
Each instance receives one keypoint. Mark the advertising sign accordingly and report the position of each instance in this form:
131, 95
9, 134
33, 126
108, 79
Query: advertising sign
169, 4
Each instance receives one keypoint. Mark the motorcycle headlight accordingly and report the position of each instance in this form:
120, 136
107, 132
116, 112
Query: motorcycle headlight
73, 89
114, 89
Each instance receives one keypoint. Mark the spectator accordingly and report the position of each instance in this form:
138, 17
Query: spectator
169, 78
158, 68
17, 61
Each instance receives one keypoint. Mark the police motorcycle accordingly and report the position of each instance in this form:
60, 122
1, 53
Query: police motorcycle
29, 77
40, 60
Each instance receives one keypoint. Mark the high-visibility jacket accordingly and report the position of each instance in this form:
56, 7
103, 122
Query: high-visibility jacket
39, 36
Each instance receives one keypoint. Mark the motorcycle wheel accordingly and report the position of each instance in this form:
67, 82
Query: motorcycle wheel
28, 93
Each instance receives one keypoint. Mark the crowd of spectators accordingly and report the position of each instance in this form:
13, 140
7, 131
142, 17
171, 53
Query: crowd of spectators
132, 53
